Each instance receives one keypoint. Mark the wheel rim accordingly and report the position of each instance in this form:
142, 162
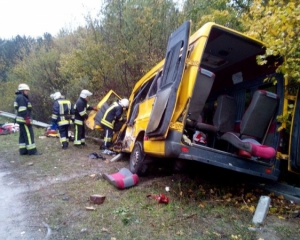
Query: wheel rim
136, 158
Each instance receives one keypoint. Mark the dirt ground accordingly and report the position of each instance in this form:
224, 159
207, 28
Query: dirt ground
20, 218
31, 186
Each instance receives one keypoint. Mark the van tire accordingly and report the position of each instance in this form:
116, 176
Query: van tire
137, 157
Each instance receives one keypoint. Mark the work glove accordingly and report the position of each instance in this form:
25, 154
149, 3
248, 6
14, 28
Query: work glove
27, 121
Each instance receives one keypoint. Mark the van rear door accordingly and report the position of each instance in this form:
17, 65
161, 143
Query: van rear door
163, 107
294, 148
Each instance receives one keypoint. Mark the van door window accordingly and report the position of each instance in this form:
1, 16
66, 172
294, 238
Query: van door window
155, 85
139, 97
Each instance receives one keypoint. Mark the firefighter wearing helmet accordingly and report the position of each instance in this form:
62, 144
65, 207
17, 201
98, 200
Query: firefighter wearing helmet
23, 109
81, 107
112, 115
62, 116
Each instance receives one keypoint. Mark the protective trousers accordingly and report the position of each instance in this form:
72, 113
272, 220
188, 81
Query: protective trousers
63, 135
108, 137
79, 135
26, 140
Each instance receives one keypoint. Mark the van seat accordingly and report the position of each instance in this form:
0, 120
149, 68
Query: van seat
224, 117
255, 124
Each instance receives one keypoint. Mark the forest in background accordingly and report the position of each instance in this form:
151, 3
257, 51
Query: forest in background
114, 50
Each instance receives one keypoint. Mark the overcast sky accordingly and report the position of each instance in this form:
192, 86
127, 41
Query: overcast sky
35, 17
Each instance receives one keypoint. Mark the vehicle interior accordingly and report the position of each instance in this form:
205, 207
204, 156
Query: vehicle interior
233, 109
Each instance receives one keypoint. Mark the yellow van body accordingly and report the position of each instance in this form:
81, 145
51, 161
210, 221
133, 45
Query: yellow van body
168, 101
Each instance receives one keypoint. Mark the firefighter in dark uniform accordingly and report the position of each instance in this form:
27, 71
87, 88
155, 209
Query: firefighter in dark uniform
23, 108
81, 107
111, 115
63, 116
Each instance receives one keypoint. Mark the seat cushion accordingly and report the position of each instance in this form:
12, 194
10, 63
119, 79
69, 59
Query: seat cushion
122, 179
249, 145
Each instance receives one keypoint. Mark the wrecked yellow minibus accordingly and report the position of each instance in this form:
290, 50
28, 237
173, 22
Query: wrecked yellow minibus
207, 101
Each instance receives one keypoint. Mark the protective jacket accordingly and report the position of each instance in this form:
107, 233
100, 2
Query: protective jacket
112, 114
81, 107
23, 107
62, 112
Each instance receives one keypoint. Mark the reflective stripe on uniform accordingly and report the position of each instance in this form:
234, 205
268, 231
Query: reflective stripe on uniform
20, 119
64, 122
22, 145
79, 122
82, 113
76, 141
107, 123
28, 136
22, 108
63, 139
31, 146
61, 106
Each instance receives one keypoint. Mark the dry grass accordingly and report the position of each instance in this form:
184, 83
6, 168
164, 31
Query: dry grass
60, 183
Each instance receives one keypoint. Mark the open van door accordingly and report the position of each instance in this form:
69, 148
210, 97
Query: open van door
294, 148
174, 65
94, 118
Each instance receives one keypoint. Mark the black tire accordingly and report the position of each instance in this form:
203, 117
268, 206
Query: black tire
137, 157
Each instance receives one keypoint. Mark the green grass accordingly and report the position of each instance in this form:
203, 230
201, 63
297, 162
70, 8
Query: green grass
62, 181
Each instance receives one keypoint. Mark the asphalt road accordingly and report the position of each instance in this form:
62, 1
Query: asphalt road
15, 222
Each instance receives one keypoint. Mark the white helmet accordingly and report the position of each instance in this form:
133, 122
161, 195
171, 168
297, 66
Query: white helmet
124, 102
56, 95
85, 93
23, 86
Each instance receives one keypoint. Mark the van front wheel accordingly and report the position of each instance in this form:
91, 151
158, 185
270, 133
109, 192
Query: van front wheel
136, 162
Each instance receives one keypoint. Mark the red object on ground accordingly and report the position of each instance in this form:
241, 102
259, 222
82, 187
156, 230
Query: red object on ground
161, 198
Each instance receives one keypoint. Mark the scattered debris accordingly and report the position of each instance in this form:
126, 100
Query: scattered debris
104, 230
254, 229
96, 176
117, 157
90, 208
8, 128
108, 152
261, 210
30, 164
187, 140
161, 198
66, 198
51, 133
95, 155
97, 199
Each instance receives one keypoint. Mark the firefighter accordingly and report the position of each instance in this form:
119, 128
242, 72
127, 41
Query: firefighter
23, 108
81, 107
63, 116
112, 115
